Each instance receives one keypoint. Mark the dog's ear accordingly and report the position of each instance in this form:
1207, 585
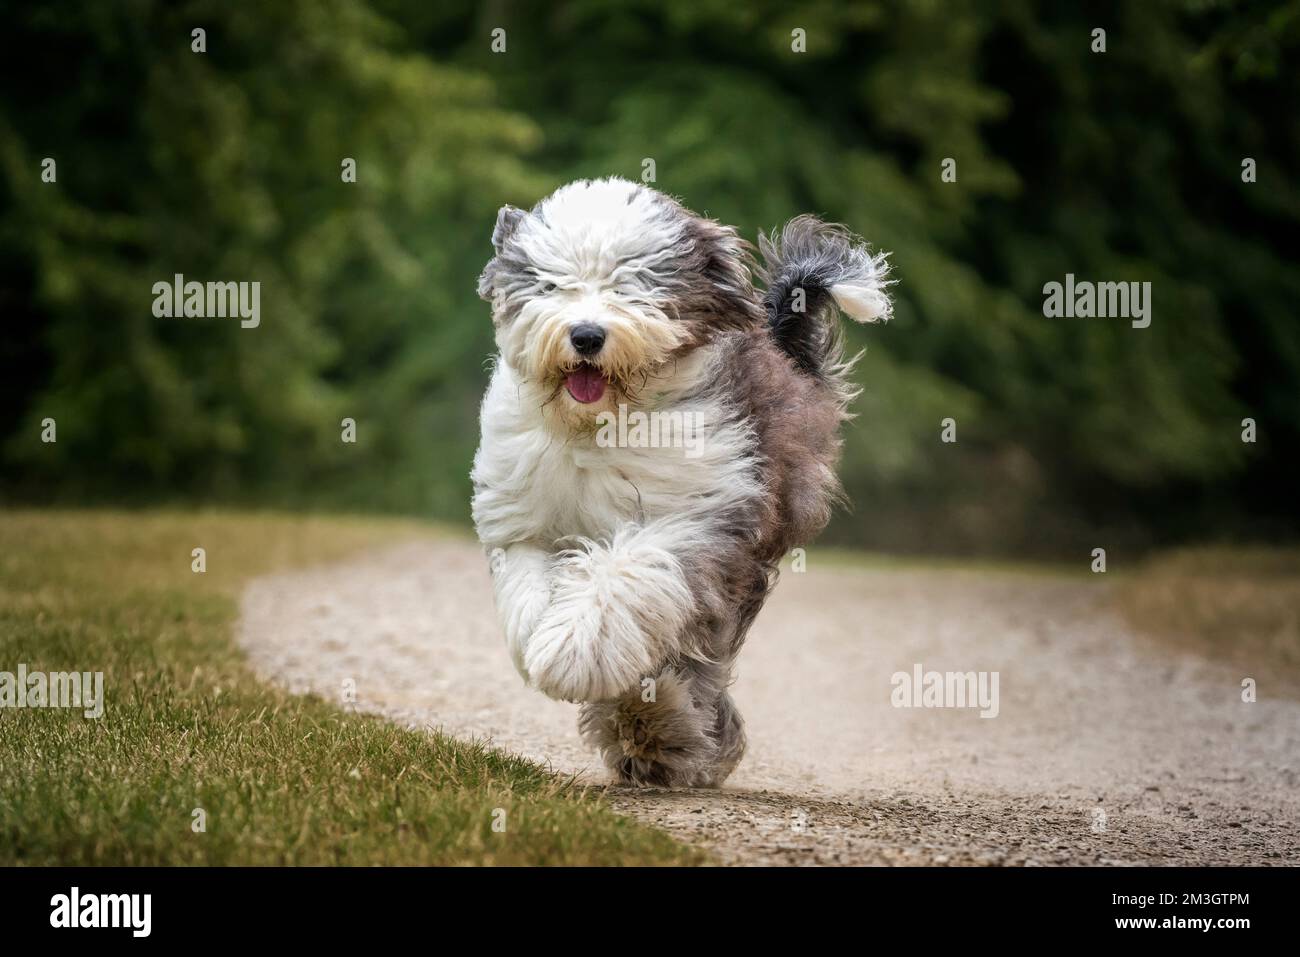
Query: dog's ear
508, 220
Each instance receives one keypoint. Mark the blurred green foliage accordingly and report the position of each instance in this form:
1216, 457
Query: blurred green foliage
225, 165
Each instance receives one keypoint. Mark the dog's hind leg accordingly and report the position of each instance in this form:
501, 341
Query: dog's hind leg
729, 731
681, 729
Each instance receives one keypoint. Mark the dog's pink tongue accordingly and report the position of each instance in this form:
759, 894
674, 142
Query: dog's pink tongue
585, 384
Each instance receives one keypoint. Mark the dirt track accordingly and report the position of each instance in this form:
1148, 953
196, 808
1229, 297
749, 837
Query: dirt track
1106, 750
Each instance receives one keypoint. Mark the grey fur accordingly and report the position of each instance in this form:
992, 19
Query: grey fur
688, 735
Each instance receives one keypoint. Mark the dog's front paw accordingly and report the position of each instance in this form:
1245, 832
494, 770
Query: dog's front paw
614, 617
573, 659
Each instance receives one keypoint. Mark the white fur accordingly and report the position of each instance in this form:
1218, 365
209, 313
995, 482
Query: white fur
603, 247
862, 301
523, 594
595, 534
615, 613
591, 583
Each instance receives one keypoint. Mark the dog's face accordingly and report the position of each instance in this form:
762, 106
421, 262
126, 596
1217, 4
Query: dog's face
603, 285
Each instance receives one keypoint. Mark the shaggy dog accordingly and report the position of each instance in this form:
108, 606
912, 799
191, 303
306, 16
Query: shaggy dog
627, 564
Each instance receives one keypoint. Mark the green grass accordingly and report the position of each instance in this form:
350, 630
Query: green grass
282, 779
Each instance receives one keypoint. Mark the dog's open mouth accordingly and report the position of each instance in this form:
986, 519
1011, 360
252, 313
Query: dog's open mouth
586, 383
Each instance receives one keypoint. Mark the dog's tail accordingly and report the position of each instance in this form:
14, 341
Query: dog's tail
809, 269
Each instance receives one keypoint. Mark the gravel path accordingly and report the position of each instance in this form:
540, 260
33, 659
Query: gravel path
1105, 750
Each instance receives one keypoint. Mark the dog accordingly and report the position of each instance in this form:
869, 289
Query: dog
626, 574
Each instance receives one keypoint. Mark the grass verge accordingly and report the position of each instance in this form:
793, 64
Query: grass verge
186, 726
1239, 605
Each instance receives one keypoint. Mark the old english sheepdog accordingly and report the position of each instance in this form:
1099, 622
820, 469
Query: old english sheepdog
627, 563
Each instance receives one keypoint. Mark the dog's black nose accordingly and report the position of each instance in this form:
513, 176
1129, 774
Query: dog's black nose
587, 338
